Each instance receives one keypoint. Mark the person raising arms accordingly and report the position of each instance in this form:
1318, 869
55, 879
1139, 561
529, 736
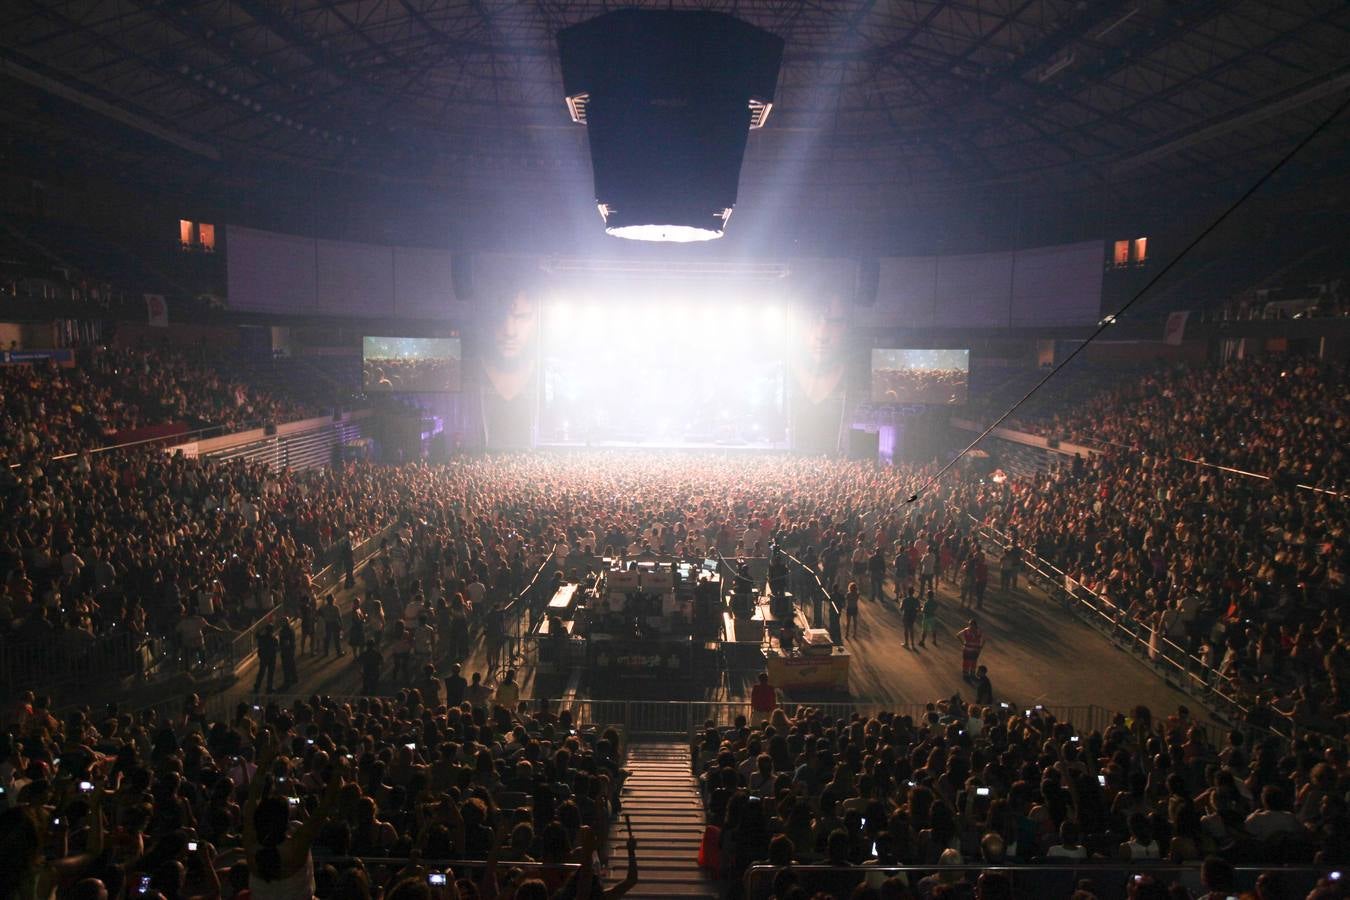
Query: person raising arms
280, 866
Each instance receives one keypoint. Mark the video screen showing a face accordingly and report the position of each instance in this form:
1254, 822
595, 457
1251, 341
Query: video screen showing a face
938, 377
410, 364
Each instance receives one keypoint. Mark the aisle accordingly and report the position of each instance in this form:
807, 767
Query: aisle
1036, 651
661, 798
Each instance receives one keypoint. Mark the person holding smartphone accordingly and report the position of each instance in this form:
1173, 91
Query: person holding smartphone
24, 869
280, 866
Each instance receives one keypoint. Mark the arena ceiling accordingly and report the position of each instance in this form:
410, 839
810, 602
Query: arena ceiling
911, 95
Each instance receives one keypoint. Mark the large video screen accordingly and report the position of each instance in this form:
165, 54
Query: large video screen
920, 376
410, 364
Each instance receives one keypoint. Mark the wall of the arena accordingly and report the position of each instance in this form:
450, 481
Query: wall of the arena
487, 296
1058, 286
133, 335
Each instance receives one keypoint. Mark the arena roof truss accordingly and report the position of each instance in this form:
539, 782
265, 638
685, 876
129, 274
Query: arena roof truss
913, 93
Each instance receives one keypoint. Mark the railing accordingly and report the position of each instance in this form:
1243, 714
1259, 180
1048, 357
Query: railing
242, 646
1186, 671
178, 438
1110, 880
1189, 672
73, 659
682, 720
806, 585
524, 609
530, 869
1200, 463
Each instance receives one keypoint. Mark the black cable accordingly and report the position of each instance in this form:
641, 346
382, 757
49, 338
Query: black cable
1114, 317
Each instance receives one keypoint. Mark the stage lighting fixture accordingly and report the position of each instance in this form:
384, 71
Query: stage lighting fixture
668, 98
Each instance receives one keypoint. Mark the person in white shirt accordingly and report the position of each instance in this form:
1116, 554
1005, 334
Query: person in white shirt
412, 613
1272, 818
475, 591
1068, 846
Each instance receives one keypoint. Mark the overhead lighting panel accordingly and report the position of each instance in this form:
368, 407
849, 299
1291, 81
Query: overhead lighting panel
668, 98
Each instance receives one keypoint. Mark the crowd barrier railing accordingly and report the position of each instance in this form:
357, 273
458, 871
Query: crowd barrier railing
459, 866
75, 657
241, 647
1109, 879
1188, 672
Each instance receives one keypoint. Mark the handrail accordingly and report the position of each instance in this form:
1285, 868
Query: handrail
502, 865
178, 437
241, 648
1059, 580
1189, 667
182, 437
1054, 877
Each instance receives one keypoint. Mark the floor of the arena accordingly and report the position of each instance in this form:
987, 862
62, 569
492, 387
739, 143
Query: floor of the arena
1036, 652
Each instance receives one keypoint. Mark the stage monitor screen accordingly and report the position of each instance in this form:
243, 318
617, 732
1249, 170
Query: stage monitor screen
937, 377
413, 365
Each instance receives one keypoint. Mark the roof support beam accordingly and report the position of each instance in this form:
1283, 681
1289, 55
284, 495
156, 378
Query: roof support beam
104, 108
1267, 109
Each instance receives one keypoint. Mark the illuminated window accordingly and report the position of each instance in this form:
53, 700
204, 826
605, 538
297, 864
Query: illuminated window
196, 235
1140, 250
1122, 254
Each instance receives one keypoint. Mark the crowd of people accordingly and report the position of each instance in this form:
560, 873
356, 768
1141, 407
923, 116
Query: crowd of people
1283, 418
989, 787
288, 803
52, 410
410, 374
913, 385
151, 545
1246, 573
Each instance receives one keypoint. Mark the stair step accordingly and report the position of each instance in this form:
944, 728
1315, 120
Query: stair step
661, 798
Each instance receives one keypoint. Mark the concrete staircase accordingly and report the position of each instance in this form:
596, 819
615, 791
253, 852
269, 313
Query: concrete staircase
661, 798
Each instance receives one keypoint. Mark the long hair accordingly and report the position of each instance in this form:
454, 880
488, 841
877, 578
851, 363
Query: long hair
270, 819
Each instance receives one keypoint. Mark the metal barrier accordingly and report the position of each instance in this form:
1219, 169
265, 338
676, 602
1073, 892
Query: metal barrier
1186, 671
242, 647
1190, 672
1110, 880
458, 865
74, 657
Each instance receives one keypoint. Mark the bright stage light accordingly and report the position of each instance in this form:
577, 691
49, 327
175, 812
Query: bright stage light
559, 313
772, 317
591, 318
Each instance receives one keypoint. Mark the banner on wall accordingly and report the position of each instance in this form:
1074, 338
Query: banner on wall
509, 367
63, 358
1175, 329
818, 368
157, 310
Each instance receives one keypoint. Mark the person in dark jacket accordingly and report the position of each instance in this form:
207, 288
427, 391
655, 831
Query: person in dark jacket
371, 663
267, 658
286, 644
455, 686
